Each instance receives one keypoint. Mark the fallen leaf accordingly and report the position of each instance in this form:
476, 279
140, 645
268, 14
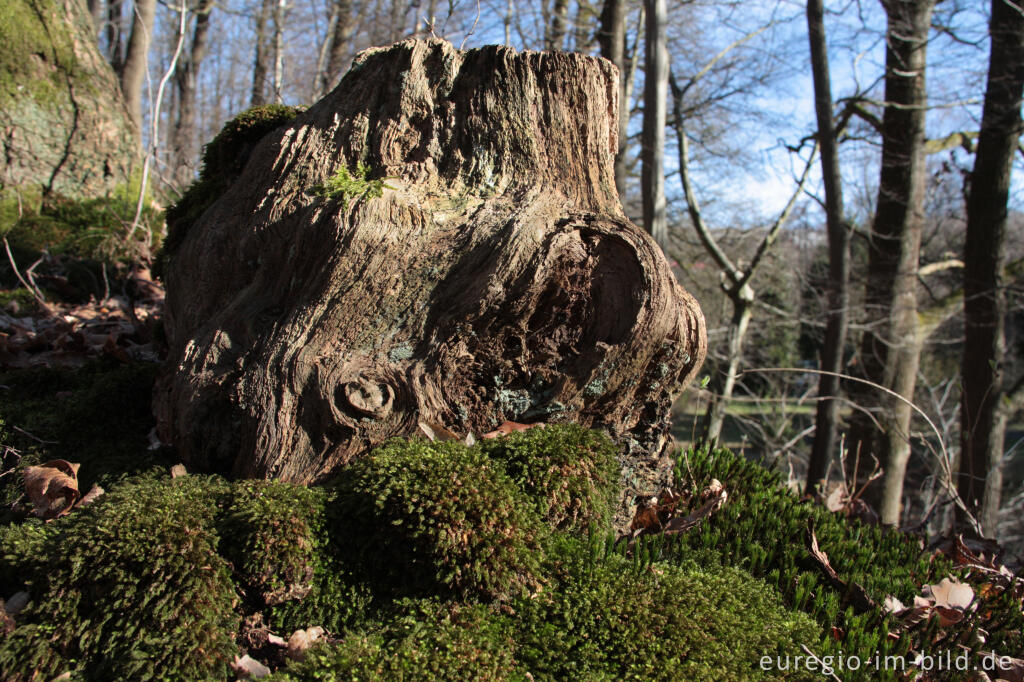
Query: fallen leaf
892, 605
436, 432
950, 593
249, 667
94, 493
52, 487
510, 427
951, 599
855, 593
301, 640
178, 470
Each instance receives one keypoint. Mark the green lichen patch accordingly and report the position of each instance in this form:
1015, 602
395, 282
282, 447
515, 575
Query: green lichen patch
224, 159
426, 640
439, 518
131, 587
571, 473
607, 618
345, 186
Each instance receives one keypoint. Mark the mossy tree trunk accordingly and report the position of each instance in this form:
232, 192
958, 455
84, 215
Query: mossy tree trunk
63, 123
471, 265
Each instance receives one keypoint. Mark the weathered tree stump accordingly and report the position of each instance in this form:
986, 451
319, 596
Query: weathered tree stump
495, 277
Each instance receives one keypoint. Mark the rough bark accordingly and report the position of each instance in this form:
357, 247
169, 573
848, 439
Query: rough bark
183, 134
890, 355
133, 70
652, 171
827, 418
63, 122
983, 416
495, 278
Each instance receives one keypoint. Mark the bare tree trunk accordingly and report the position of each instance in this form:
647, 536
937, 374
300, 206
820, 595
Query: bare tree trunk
133, 72
652, 175
183, 137
340, 44
305, 329
261, 59
115, 36
279, 12
554, 38
891, 355
838, 255
97, 10
983, 415
742, 308
612, 39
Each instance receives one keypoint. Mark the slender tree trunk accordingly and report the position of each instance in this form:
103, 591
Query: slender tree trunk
742, 308
554, 38
261, 60
983, 419
115, 39
183, 133
340, 44
612, 39
652, 175
134, 71
279, 12
97, 10
891, 354
838, 254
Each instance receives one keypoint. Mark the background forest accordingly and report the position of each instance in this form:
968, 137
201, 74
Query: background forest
355, 290
833, 183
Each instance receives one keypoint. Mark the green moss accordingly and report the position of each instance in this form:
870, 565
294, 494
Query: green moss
570, 473
762, 530
439, 518
133, 588
606, 618
344, 186
23, 33
98, 415
428, 640
224, 159
268, 534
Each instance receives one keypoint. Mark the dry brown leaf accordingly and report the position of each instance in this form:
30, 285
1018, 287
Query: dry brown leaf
247, 666
52, 487
436, 432
178, 470
95, 492
716, 497
301, 640
950, 593
508, 427
855, 593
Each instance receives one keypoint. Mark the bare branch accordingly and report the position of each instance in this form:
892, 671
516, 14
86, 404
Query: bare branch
773, 231
703, 231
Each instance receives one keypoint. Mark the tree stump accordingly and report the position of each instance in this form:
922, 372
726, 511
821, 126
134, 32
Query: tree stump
437, 240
